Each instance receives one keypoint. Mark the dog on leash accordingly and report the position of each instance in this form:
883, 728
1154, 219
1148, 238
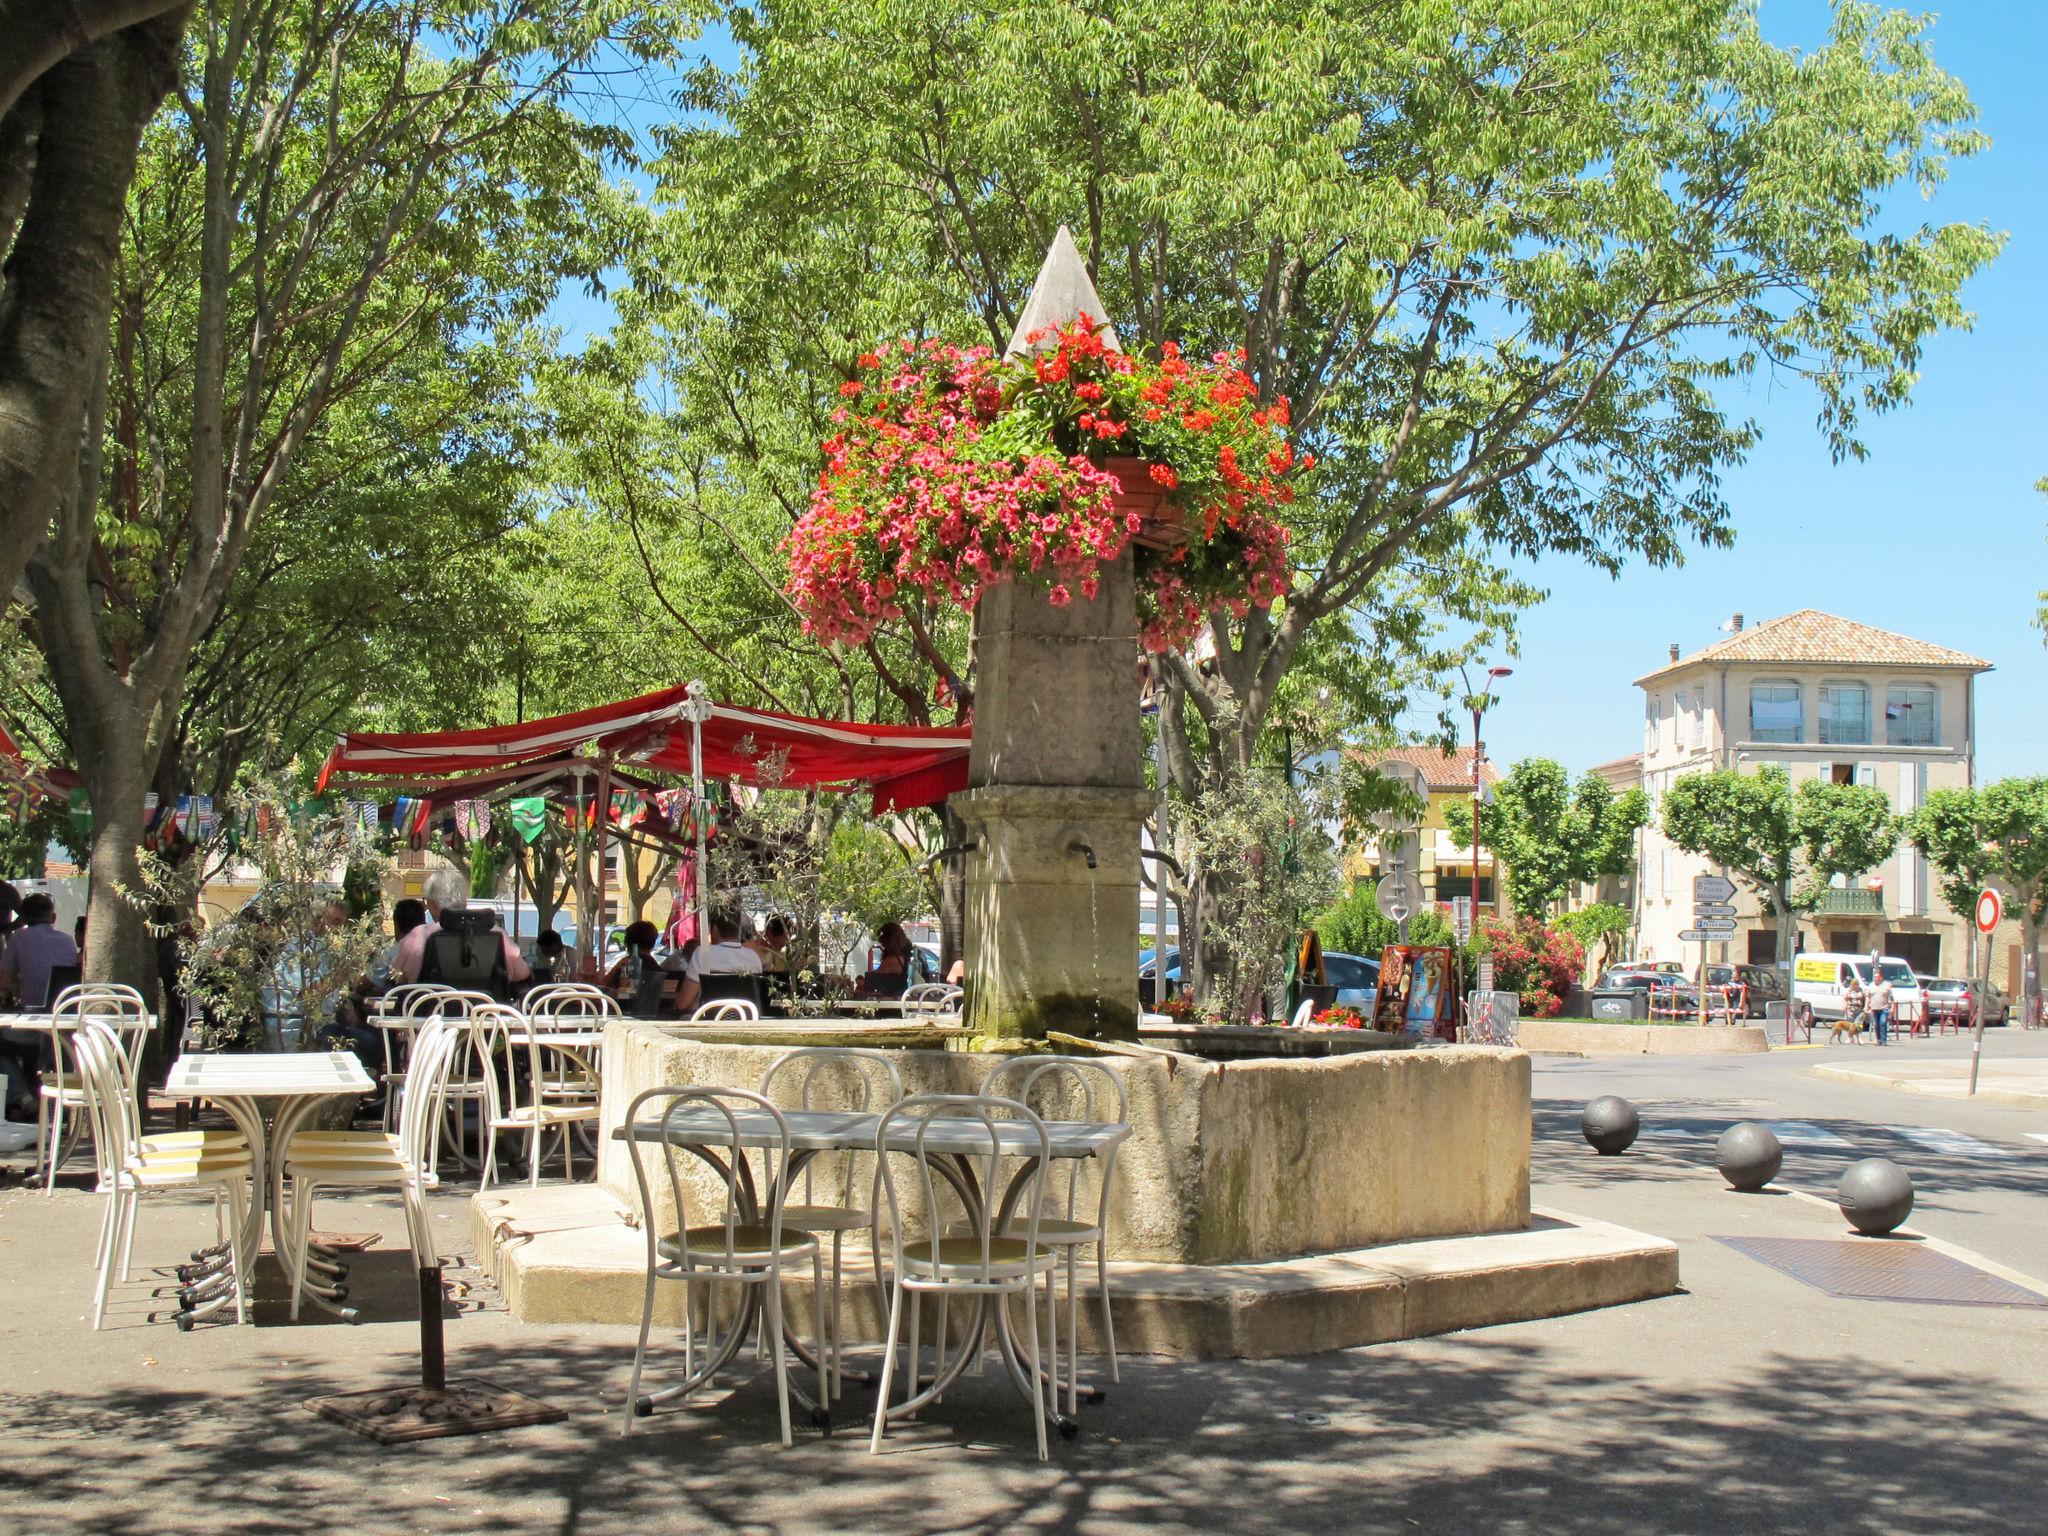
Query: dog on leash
1846, 1028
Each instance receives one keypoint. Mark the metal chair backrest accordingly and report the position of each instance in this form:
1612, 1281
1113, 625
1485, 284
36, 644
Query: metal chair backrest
871, 1082
424, 1000
426, 1091
116, 1120
964, 1127
726, 1008
1073, 1088
719, 1113
121, 1009
496, 1034
571, 1005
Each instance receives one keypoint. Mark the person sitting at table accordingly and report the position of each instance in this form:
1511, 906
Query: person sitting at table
899, 966
547, 956
772, 945
447, 891
407, 913
725, 955
31, 952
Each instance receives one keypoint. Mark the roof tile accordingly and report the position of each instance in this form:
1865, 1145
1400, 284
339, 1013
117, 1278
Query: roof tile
1810, 636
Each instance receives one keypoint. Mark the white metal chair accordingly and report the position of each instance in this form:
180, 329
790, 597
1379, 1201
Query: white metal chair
397, 1016
317, 1160
862, 1082
498, 1037
1072, 1088
745, 1246
133, 1165
726, 1008
122, 1010
571, 1008
979, 1262
560, 999
932, 997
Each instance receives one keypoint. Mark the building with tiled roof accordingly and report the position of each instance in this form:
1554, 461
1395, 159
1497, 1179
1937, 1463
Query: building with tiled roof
1823, 697
1444, 865
1439, 769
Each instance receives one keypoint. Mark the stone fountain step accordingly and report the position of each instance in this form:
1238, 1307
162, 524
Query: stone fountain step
567, 1254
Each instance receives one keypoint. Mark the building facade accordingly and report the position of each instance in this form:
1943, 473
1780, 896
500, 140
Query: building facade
1822, 697
1447, 869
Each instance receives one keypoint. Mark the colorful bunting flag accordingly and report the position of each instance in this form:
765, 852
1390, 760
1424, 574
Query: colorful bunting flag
529, 817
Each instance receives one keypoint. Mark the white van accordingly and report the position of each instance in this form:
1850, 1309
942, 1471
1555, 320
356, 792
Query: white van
1818, 981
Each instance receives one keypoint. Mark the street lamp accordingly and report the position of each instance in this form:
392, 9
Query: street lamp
1478, 702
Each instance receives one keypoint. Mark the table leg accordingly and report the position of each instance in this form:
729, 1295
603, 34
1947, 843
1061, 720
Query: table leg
217, 1291
283, 1237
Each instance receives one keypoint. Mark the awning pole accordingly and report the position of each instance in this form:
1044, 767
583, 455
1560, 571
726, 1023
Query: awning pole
697, 710
604, 862
582, 881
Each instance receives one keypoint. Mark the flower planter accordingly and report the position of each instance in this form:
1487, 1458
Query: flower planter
1164, 526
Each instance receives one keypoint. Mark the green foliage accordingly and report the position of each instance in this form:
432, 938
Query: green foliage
1354, 924
1996, 835
1599, 928
1551, 835
1539, 962
1263, 842
1785, 846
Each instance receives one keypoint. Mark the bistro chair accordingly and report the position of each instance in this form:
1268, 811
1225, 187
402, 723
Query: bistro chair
860, 1082
738, 1008
397, 1016
1073, 1088
745, 1246
498, 1036
317, 1160
976, 1261
123, 1011
133, 1165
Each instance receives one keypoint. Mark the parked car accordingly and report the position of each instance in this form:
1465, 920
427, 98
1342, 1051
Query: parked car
1966, 998
1651, 967
1617, 976
1818, 980
1761, 985
1356, 978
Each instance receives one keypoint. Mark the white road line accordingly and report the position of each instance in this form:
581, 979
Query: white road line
1954, 1143
2037, 1135
1798, 1133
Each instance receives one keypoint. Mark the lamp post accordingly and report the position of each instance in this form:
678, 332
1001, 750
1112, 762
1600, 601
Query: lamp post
1479, 702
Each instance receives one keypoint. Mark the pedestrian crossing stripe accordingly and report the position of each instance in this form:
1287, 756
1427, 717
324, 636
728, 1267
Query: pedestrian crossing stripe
1799, 1133
2037, 1135
1955, 1143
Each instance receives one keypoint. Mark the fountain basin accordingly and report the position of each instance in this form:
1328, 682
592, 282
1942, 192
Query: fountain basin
1228, 1162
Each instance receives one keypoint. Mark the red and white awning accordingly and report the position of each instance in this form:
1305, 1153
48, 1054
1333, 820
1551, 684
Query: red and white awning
905, 765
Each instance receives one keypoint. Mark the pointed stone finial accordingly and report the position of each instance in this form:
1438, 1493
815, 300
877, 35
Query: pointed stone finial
1062, 293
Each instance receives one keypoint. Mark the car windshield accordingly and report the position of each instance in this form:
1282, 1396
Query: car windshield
1349, 971
1897, 972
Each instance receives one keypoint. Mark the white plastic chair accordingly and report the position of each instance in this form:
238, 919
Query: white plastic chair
726, 1008
1072, 1088
317, 1160
978, 1261
133, 1165
745, 1246
397, 1016
869, 1083
122, 1010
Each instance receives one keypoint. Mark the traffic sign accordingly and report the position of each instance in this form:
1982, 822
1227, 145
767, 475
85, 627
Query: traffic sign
1399, 897
1700, 936
1713, 909
1990, 911
1712, 888
1713, 925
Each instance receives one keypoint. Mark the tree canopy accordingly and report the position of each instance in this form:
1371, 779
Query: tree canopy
1996, 835
1551, 834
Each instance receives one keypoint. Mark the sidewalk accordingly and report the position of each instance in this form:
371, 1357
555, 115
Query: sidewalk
2024, 1082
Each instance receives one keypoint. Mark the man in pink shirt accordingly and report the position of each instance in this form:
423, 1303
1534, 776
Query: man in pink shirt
445, 892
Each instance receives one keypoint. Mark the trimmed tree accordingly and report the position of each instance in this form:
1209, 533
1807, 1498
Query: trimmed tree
1996, 836
1551, 835
1785, 845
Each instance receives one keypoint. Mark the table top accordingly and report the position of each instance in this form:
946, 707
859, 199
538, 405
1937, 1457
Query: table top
50, 1023
266, 1075
839, 1130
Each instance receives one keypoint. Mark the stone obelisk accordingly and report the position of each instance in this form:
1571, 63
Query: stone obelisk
1057, 779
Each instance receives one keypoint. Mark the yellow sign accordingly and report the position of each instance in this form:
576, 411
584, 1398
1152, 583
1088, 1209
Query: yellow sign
1814, 970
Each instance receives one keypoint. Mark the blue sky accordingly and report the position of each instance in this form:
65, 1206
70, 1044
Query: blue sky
1937, 534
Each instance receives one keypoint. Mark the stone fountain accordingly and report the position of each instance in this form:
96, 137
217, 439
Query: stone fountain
1263, 1207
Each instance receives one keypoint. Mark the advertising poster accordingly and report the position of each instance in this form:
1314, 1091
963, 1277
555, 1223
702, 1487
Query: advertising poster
1418, 984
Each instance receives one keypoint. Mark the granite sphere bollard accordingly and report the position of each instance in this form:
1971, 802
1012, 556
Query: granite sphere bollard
1876, 1195
1610, 1124
1749, 1156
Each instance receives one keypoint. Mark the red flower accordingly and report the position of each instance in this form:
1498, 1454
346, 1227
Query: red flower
850, 387
1163, 474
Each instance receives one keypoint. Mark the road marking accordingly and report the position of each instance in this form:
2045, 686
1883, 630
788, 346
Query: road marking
1798, 1133
1954, 1143
2037, 1135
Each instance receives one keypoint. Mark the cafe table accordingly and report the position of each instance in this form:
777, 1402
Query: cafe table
13, 1135
955, 1143
284, 1088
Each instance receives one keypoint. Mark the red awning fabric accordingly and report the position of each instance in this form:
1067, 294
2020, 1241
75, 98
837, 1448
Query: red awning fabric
906, 765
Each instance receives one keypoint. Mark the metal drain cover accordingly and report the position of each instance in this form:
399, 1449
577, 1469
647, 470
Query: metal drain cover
1876, 1270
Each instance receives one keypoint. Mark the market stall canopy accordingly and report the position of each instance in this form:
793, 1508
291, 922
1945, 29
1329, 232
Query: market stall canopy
905, 766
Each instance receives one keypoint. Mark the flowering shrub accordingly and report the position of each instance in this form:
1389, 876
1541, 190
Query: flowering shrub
953, 470
1534, 961
1341, 1016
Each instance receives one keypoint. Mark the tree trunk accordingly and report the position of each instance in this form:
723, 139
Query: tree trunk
58, 294
118, 944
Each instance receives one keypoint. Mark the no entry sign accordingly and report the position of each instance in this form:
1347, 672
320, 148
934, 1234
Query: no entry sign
1990, 911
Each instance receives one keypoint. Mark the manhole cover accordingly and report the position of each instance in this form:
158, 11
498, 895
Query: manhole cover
1884, 1271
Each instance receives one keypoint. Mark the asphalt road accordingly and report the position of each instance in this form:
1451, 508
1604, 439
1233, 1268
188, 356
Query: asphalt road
1748, 1403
